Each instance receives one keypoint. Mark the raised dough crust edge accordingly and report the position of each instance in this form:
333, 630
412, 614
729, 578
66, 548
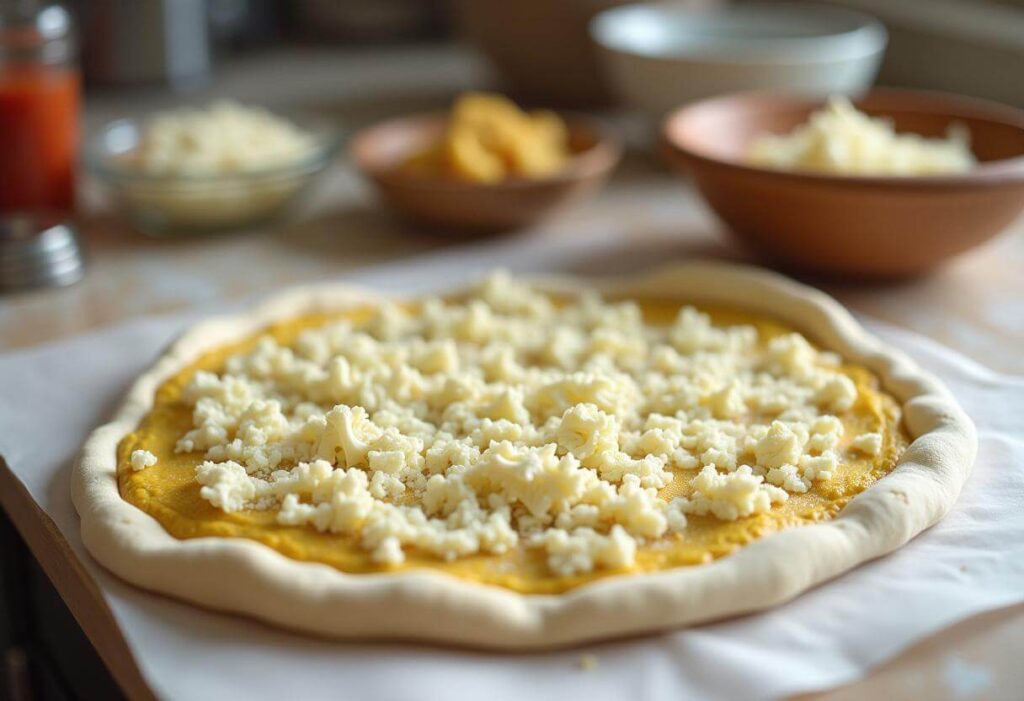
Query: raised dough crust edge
243, 576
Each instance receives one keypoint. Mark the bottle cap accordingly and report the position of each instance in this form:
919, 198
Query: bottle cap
38, 251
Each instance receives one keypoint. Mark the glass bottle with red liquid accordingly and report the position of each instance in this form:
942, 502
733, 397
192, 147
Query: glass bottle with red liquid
39, 105
40, 86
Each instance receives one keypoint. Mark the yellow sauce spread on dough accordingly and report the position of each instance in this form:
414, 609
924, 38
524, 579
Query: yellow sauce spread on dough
168, 491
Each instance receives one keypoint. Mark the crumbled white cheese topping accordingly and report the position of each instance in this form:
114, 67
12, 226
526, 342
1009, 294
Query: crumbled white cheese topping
732, 495
868, 443
141, 459
505, 420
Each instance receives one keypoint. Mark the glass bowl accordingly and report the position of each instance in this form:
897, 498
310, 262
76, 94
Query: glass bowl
161, 204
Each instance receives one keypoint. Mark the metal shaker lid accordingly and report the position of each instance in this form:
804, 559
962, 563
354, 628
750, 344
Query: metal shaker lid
38, 251
36, 31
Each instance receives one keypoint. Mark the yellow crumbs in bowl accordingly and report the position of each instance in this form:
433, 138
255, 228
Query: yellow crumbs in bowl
489, 139
840, 139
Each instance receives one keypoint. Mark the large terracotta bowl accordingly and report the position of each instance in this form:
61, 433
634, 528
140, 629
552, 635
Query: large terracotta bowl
459, 207
851, 225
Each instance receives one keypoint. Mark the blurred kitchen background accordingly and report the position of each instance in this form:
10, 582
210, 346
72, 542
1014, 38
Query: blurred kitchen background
352, 63
969, 46
355, 62
973, 47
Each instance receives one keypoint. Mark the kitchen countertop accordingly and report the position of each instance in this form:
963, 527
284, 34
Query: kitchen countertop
975, 305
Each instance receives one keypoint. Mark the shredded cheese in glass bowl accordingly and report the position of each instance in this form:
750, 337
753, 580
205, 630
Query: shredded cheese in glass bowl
220, 167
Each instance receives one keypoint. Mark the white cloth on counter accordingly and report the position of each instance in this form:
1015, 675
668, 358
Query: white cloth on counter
973, 561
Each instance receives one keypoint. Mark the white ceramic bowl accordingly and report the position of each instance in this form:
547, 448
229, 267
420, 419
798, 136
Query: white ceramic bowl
661, 55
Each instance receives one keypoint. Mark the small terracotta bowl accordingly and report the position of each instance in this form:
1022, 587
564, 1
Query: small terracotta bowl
861, 226
462, 207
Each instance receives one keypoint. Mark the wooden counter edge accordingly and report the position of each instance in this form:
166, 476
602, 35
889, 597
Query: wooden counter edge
75, 585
